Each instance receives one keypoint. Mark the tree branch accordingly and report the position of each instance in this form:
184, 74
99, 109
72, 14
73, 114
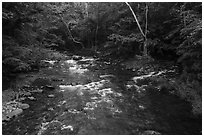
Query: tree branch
67, 26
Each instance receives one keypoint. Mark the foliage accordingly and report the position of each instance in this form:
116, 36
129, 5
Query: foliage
25, 38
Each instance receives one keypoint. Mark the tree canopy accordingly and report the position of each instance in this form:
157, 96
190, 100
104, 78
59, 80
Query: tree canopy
171, 31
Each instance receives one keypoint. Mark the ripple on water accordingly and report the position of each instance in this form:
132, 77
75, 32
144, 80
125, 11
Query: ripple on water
97, 99
75, 67
69, 88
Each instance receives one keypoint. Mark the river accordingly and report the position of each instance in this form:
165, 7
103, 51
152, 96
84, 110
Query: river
88, 95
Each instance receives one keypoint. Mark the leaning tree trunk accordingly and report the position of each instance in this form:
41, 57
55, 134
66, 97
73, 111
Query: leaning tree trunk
139, 26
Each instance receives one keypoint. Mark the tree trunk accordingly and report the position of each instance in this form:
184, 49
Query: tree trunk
145, 47
139, 26
145, 41
96, 41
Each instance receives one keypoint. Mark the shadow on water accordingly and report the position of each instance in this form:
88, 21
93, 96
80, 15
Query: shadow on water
173, 115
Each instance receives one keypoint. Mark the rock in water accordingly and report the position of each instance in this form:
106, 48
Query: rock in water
16, 112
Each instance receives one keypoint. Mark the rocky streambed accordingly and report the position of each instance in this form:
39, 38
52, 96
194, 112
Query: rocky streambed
86, 95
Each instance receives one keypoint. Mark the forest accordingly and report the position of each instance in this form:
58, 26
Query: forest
102, 68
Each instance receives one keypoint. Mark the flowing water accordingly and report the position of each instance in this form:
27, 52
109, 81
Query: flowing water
102, 97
